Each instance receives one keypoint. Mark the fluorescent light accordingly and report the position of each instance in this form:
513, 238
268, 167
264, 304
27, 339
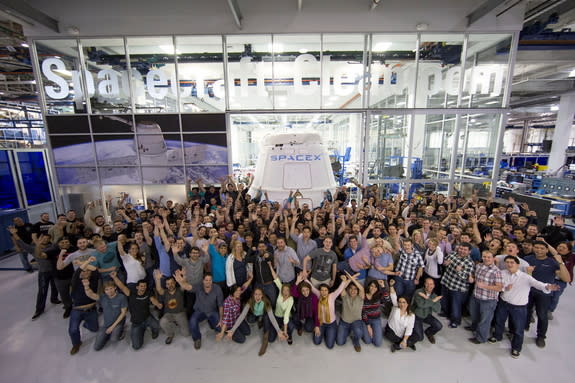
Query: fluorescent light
382, 47
276, 48
303, 50
572, 73
25, 45
554, 108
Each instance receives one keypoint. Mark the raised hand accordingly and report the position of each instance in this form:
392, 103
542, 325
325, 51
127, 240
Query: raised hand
157, 274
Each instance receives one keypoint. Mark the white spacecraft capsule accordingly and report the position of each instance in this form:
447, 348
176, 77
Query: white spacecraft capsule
290, 162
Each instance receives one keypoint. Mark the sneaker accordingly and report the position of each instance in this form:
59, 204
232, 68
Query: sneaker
169, 339
492, 340
357, 348
474, 340
514, 354
290, 341
55, 301
75, 348
37, 314
469, 328
540, 342
67, 313
29, 270
453, 325
413, 347
197, 344
155, 334
393, 348
300, 331
431, 338
550, 315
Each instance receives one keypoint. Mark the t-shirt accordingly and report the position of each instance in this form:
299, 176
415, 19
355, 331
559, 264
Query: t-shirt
208, 302
218, 264
80, 255
78, 293
139, 307
112, 307
25, 232
322, 262
383, 260
544, 270
66, 273
107, 259
42, 227
173, 303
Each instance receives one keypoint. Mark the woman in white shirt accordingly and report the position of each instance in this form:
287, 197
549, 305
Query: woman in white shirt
400, 322
433, 258
133, 263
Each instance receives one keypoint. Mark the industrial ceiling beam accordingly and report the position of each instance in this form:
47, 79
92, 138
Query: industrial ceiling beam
299, 5
486, 8
235, 8
28, 14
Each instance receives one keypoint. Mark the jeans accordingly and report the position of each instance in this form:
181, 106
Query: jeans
271, 291
541, 302
390, 335
24, 259
63, 286
517, 317
344, 328
404, 287
327, 332
452, 303
138, 330
102, 338
90, 319
198, 317
377, 337
434, 327
482, 312
171, 321
307, 324
274, 333
241, 332
555, 295
45, 280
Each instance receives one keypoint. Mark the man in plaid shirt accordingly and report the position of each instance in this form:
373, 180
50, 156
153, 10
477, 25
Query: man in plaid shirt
408, 271
455, 282
488, 284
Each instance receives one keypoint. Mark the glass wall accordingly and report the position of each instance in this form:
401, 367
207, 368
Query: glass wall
139, 111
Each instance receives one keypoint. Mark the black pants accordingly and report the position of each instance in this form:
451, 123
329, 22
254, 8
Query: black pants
390, 335
45, 280
434, 327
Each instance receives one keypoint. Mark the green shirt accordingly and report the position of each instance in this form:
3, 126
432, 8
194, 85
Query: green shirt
283, 307
422, 307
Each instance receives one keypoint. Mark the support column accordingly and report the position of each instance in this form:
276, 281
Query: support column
562, 133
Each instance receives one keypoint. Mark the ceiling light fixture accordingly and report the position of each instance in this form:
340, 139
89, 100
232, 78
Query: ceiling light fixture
25, 45
554, 108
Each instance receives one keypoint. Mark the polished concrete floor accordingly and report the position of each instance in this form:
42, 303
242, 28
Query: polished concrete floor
39, 352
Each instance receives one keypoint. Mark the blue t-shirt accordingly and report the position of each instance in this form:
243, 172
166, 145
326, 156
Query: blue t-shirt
218, 264
112, 307
383, 260
544, 268
107, 259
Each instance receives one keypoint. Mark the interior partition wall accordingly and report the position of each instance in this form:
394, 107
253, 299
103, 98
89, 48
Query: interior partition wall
143, 115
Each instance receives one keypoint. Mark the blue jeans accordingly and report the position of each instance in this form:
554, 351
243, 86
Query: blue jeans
306, 325
555, 295
434, 327
138, 330
327, 332
452, 303
241, 332
344, 328
24, 259
102, 338
377, 328
540, 302
45, 280
404, 287
90, 319
198, 317
517, 316
482, 312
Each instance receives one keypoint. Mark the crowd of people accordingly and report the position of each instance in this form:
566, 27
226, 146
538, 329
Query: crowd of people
363, 269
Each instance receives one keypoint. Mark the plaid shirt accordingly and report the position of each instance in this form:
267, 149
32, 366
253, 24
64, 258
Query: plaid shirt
409, 263
489, 275
457, 280
232, 310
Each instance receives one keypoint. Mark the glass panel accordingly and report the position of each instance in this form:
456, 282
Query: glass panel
393, 70
116, 192
163, 175
175, 193
72, 150
116, 149
203, 123
153, 74
60, 71
477, 145
201, 74
433, 143
151, 124
106, 61
486, 70
120, 175
250, 71
8, 192
340, 133
202, 149
160, 150
76, 197
34, 178
387, 148
342, 76
467, 189
68, 124
296, 71
440, 72
76, 175
111, 124
208, 174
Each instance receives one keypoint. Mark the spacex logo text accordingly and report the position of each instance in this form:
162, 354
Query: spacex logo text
298, 157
